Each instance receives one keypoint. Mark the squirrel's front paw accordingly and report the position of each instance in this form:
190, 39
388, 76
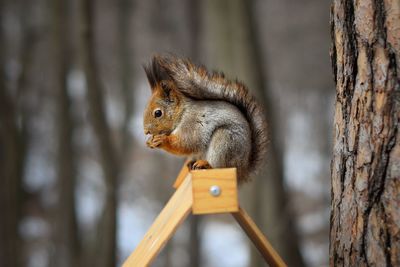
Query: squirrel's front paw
156, 140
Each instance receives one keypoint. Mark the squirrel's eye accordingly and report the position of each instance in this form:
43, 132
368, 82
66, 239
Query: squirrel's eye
157, 113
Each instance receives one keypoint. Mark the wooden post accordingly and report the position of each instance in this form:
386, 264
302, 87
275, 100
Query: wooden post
182, 175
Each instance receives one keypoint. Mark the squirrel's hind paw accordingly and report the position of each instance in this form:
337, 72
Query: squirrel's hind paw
199, 165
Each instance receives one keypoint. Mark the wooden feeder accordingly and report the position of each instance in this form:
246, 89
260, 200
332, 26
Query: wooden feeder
214, 191
200, 192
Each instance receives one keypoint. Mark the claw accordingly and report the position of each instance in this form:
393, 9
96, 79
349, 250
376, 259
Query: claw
200, 165
190, 164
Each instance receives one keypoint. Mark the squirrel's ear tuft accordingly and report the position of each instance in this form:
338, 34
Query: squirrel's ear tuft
149, 75
155, 72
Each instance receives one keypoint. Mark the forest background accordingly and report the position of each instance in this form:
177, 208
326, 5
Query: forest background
79, 186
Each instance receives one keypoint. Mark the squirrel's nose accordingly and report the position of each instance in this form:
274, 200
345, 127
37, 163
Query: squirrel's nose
146, 132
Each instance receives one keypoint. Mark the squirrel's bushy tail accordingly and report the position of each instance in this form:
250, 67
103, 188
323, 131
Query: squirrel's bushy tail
196, 82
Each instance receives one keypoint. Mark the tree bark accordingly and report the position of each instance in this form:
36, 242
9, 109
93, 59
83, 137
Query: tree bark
365, 205
106, 243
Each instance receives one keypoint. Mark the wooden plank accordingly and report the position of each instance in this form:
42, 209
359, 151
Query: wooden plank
165, 225
206, 203
182, 174
260, 241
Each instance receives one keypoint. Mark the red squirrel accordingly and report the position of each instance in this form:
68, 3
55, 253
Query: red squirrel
215, 122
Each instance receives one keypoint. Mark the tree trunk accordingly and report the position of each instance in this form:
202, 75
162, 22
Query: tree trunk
10, 148
10, 193
106, 232
365, 207
194, 12
232, 22
269, 190
66, 230
125, 61
11, 166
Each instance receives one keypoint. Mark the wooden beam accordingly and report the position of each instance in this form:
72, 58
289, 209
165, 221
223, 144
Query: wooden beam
257, 237
165, 225
182, 174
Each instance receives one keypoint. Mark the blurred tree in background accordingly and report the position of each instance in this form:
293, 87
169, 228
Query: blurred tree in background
79, 186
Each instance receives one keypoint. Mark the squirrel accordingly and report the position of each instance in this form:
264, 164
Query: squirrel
192, 112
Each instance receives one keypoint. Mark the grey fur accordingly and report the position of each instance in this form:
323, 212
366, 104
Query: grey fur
228, 136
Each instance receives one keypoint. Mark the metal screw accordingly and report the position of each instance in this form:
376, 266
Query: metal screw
215, 190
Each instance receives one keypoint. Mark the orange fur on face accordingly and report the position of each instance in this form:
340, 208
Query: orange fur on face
169, 103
